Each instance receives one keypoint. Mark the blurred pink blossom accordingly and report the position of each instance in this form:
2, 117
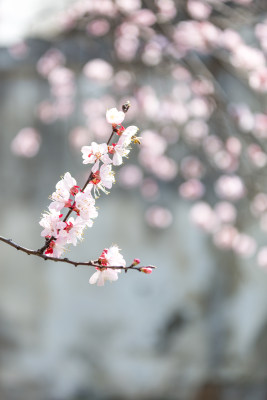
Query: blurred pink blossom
203, 216
192, 189
130, 176
248, 58
226, 212
46, 112
149, 189
126, 48
170, 134
230, 39
99, 70
158, 217
79, 137
259, 204
202, 87
123, 79
98, 27
224, 236
243, 116
164, 168
256, 155
143, 17
50, 60
200, 108
244, 245
167, 10
230, 187
198, 9
19, 50
261, 33
26, 143
152, 54
234, 146
212, 144
258, 79
225, 161
129, 5
196, 130
152, 142
260, 126
262, 257
192, 167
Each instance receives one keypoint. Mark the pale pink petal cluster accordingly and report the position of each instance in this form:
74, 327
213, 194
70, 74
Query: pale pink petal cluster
109, 257
94, 154
85, 206
51, 223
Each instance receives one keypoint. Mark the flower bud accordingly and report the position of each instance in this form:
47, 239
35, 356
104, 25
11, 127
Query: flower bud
136, 261
74, 190
146, 270
126, 106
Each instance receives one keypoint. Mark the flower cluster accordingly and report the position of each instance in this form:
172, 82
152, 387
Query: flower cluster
59, 230
108, 257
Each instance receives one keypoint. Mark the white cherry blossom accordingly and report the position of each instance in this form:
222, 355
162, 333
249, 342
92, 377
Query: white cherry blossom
109, 257
64, 188
60, 198
114, 116
85, 205
51, 223
74, 230
114, 257
69, 183
106, 176
126, 137
92, 154
101, 276
56, 248
119, 151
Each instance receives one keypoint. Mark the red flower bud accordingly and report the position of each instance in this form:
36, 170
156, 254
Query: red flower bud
147, 270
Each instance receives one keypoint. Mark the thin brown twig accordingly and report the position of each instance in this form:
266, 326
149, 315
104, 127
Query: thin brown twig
91, 263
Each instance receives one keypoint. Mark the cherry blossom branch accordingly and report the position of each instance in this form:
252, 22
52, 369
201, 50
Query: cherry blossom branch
125, 108
91, 263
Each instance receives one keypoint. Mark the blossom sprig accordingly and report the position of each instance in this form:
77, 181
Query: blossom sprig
60, 231
93, 263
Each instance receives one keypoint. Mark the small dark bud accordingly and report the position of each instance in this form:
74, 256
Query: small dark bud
126, 106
